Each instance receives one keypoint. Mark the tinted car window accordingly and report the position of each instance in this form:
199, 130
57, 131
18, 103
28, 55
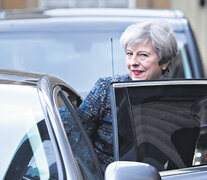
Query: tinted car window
164, 126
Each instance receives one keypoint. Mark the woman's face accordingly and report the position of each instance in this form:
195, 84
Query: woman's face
142, 62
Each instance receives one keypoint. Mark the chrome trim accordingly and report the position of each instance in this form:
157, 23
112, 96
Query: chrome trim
160, 83
45, 91
183, 171
41, 93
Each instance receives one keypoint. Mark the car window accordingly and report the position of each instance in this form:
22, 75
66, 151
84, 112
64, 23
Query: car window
87, 50
181, 65
44, 52
164, 126
27, 151
78, 140
34, 158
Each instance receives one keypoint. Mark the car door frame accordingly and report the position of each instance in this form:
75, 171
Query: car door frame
67, 167
48, 89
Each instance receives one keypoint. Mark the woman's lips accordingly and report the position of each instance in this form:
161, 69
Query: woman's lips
137, 73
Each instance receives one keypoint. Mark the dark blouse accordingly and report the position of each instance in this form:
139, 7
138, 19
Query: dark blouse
95, 114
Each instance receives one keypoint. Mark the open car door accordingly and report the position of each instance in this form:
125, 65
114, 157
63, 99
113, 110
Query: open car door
162, 123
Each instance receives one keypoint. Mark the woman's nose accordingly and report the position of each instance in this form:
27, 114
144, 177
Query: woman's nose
135, 61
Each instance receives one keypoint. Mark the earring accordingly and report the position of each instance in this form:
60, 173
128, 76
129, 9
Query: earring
163, 71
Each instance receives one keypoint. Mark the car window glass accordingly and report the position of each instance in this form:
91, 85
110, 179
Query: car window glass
184, 52
181, 65
44, 52
26, 148
162, 126
77, 138
34, 158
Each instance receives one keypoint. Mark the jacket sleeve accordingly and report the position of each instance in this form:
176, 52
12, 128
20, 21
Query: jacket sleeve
90, 109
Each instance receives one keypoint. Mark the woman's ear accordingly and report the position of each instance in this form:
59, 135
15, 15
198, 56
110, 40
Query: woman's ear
165, 65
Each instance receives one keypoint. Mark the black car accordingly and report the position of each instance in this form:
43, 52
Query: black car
82, 45
159, 130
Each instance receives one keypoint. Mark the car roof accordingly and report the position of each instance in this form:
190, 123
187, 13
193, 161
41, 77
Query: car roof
113, 12
85, 19
89, 12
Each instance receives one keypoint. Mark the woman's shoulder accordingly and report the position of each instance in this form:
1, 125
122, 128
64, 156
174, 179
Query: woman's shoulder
108, 80
124, 77
102, 84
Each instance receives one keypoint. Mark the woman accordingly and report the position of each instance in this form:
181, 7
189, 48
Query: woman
150, 47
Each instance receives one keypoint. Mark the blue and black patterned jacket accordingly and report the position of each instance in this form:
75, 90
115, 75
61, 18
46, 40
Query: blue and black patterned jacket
95, 113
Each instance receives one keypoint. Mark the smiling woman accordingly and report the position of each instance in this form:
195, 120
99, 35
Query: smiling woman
150, 47
142, 62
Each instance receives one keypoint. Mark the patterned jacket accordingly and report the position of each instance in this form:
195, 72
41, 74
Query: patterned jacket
95, 114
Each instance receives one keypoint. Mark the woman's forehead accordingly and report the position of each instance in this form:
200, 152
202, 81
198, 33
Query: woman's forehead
141, 44
133, 42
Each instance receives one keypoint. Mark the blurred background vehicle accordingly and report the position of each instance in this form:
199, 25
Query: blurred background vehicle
82, 46
195, 11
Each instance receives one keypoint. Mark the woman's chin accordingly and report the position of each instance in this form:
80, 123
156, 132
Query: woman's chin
136, 78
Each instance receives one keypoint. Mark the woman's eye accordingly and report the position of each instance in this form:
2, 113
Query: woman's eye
144, 55
129, 54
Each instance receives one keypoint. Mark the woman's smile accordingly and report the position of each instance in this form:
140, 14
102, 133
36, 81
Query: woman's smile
137, 72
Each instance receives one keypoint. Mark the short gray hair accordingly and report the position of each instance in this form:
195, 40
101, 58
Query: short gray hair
159, 33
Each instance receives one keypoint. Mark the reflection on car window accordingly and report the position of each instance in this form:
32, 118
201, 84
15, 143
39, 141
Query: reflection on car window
35, 158
164, 127
77, 139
